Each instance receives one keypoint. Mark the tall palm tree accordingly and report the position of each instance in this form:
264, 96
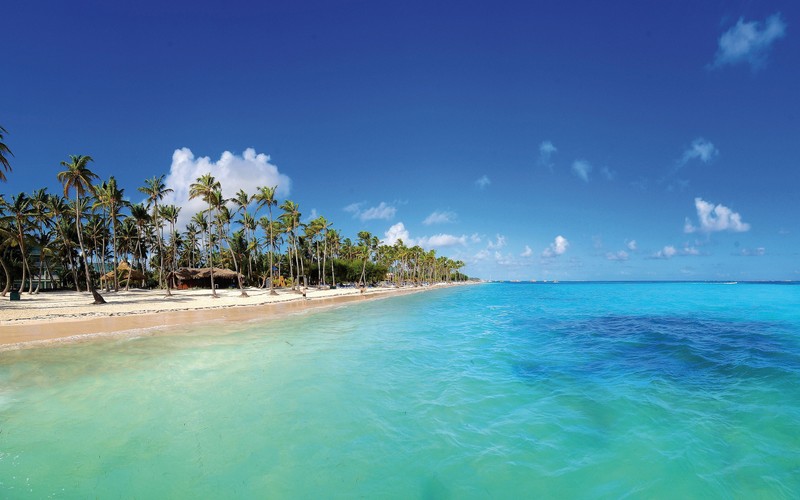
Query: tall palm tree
155, 190
205, 188
41, 215
333, 242
265, 196
291, 221
19, 211
170, 214
4, 154
115, 201
365, 245
77, 176
60, 211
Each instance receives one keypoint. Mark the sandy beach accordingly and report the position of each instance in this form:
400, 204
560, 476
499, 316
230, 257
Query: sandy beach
69, 316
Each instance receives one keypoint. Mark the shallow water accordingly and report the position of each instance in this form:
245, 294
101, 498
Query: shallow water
502, 390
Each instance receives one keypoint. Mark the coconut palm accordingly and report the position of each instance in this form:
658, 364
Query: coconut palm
155, 190
77, 176
332, 241
291, 221
20, 214
112, 199
170, 214
4, 154
265, 196
205, 188
42, 217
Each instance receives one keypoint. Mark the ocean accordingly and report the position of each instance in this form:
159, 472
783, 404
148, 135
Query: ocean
506, 390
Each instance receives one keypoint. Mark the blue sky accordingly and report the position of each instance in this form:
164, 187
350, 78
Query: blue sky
533, 140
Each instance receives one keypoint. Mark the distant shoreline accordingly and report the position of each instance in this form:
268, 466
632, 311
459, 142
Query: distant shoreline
56, 318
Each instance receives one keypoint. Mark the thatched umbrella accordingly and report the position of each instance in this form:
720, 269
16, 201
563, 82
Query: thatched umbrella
124, 271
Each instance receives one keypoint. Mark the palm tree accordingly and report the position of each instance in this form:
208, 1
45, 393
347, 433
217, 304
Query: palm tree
141, 218
114, 202
41, 214
170, 214
206, 187
155, 189
20, 213
60, 211
365, 245
4, 154
77, 176
291, 221
333, 242
266, 197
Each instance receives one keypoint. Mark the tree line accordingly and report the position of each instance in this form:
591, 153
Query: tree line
89, 228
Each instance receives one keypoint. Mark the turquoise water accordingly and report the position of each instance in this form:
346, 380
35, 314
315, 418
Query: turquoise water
502, 390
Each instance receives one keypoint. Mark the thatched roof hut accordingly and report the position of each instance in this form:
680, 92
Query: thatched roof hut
124, 272
186, 277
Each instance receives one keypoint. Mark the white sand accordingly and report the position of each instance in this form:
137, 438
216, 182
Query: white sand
49, 316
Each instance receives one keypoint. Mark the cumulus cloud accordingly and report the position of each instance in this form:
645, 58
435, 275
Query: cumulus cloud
546, 151
527, 252
498, 243
234, 172
440, 218
442, 240
631, 245
399, 232
475, 238
713, 218
618, 256
556, 248
382, 211
749, 42
483, 182
582, 169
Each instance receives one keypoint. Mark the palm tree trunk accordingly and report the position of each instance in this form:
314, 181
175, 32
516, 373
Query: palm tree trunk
8, 276
98, 299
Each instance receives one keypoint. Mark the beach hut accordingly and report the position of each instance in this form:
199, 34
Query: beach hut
124, 272
185, 278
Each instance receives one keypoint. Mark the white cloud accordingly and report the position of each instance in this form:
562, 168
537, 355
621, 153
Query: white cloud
397, 232
557, 247
749, 42
700, 149
442, 240
475, 238
608, 173
714, 218
618, 256
483, 182
754, 252
498, 243
690, 251
527, 253
234, 172
311, 216
582, 169
667, 252
440, 218
631, 245
382, 211
482, 255
546, 150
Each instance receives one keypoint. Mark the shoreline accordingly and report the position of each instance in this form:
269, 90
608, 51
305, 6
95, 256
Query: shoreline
57, 318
